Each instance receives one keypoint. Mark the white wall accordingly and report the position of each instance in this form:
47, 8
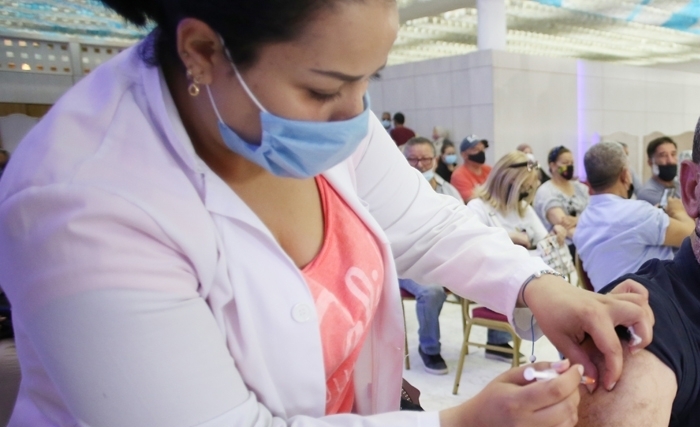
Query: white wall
33, 88
535, 103
13, 128
637, 101
455, 93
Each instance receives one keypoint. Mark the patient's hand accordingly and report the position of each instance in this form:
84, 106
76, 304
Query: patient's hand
560, 232
642, 397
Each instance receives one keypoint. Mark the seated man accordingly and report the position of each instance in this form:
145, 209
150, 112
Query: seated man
473, 172
662, 157
420, 153
616, 235
660, 386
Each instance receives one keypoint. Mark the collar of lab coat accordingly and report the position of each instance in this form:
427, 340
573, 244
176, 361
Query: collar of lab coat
166, 117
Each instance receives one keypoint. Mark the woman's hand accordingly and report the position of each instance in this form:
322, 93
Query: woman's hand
560, 232
567, 314
510, 400
557, 216
520, 238
569, 222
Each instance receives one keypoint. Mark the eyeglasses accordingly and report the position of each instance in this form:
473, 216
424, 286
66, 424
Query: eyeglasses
530, 165
425, 161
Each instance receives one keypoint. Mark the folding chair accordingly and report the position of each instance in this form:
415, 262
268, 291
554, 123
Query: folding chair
482, 316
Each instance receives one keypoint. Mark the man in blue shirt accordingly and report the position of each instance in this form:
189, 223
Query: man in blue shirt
660, 385
616, 235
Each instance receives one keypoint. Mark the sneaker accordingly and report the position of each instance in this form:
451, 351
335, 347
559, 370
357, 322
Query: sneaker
503, 357
434, 363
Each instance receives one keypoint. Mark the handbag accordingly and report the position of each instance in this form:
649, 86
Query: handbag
410, 397
556, 256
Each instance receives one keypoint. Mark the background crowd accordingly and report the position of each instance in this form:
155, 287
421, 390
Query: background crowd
611, 223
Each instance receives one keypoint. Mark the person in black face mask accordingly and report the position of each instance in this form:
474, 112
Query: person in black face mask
473, 172
662, 156
561, 200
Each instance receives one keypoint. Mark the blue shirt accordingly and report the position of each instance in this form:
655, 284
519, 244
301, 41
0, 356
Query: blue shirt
615, 236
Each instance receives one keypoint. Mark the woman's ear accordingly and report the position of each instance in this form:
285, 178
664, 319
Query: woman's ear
626, 176
197, 46
690, 188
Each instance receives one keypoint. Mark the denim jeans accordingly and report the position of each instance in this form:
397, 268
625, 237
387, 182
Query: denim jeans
429, 300
498, 337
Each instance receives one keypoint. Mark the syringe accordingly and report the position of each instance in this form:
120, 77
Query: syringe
531, 374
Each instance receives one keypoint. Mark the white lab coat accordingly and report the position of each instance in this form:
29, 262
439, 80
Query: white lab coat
147, 293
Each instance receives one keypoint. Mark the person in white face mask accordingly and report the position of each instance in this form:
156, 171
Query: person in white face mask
447, 161
440, 135
386, 120
420, 154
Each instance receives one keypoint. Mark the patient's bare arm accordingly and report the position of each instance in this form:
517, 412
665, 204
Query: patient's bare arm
642, 397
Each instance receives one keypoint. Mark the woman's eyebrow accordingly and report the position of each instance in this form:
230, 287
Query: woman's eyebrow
342, 76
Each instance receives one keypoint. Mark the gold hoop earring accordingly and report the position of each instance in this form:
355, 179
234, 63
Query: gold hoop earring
193, 88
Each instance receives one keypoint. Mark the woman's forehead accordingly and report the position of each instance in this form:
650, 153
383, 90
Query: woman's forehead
353, 38
420, 149
566, 157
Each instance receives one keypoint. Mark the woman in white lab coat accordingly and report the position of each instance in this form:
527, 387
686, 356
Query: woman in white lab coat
189, 242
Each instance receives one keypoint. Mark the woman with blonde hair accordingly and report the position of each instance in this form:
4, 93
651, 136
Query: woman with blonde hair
504, 201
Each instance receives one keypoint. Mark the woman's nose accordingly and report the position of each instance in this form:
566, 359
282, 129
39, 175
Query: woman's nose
352, 106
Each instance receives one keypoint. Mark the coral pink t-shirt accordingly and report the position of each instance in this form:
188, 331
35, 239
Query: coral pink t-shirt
465, 181
345, 280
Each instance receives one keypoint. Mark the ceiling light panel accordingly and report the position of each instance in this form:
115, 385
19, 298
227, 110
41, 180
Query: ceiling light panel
632, 32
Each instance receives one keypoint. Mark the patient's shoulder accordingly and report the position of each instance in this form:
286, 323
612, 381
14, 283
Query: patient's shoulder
643, 396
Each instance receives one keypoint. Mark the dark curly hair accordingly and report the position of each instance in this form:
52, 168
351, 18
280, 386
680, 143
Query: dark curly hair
245, 25
555, 152
653, 145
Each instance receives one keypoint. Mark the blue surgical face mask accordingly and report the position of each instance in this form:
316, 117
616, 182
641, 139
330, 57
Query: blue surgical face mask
386, 124
429, 174
451, 159
296, 148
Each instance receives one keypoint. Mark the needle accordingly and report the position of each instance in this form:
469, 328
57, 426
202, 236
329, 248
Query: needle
549, 374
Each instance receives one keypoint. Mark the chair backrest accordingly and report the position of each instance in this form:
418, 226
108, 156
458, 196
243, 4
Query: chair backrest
583, 280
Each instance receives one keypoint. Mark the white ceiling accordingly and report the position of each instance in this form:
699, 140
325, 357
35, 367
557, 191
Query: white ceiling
639, 32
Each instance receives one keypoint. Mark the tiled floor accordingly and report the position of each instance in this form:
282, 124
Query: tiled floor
436, 390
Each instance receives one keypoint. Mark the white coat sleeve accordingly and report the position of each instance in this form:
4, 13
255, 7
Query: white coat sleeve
436, 239
109, 305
